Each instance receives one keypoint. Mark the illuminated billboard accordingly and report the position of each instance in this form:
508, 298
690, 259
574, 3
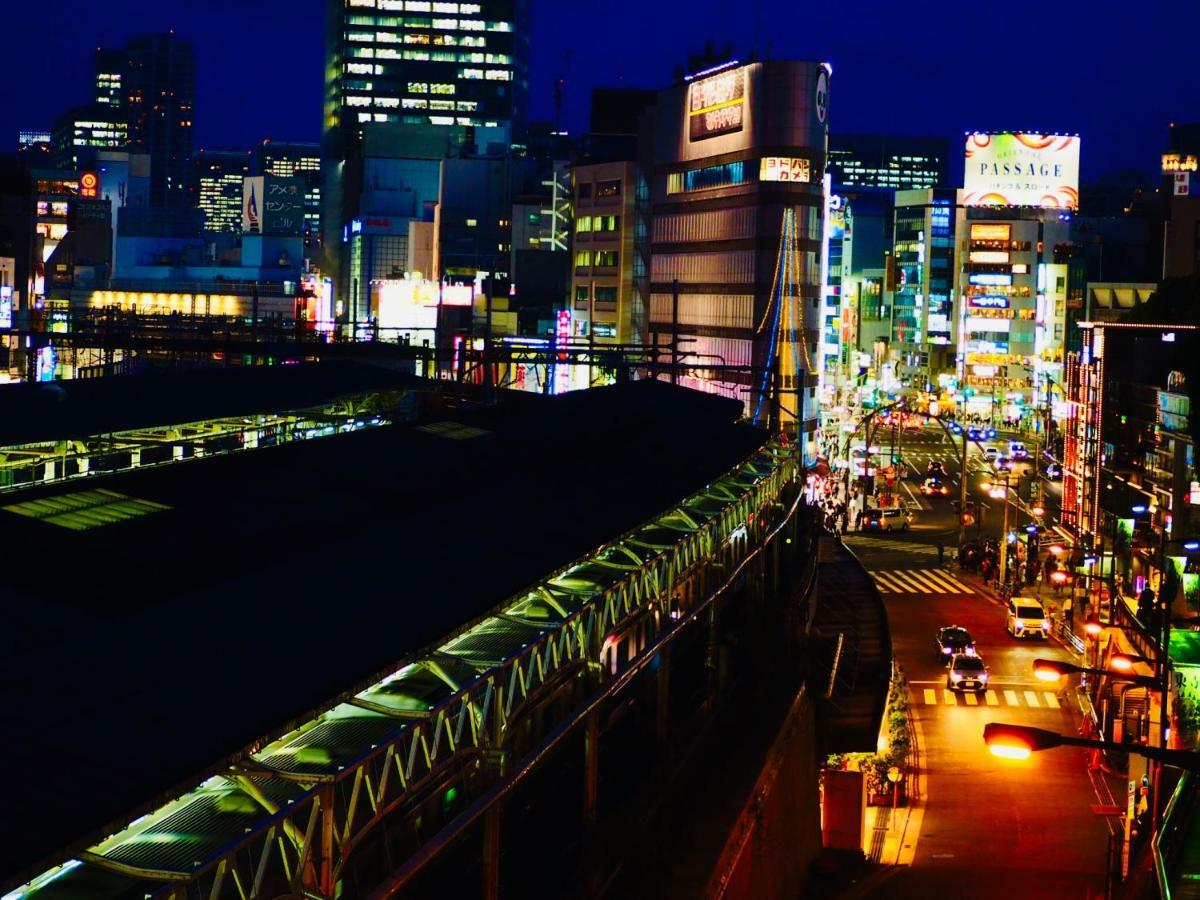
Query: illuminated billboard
783, 168
715, 104
1009, 169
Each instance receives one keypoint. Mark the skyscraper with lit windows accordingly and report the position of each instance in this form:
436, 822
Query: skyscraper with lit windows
416, 79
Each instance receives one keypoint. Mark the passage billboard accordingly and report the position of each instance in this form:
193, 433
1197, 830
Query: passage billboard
715, 104
1010, 169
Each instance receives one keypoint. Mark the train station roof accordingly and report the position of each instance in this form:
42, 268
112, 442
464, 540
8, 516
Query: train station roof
163, 619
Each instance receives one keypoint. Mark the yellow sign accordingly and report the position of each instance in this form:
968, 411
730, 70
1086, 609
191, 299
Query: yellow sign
1180, 162
783, 168
990, 232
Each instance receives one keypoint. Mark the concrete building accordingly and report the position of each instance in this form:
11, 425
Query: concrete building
1131, 478
738, 159
1011, 305
605, 301
921, 300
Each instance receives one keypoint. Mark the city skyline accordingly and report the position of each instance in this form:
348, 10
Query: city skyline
1122, 124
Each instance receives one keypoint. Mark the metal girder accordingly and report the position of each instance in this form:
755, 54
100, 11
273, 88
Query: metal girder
334, 794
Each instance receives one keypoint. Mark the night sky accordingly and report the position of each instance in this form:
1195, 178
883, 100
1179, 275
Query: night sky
1116, 74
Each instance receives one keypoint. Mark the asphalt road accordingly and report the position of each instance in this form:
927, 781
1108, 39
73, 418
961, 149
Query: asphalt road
988, 827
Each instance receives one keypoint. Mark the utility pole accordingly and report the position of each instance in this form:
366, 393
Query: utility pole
1004, 537
962, 495
675, 332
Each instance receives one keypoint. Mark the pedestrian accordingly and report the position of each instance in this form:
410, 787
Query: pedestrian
941, 548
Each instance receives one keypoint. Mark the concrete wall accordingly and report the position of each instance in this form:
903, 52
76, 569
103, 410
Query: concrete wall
778, 834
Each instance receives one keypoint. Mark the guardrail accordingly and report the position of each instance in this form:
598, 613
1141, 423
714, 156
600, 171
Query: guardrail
291, 811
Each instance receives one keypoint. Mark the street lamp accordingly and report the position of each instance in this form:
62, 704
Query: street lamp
1021, 741
1053, 670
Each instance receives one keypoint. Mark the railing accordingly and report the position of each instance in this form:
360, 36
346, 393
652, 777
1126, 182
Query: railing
305, 802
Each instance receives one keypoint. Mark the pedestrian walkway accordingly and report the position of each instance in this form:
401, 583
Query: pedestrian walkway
1001, 696
918, 581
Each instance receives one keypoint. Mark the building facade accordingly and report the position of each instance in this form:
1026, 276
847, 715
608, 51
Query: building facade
81, 131
605, 298
151, 84
286, 159
1130, 479
888, 162
1011, 295
739, 199
219, 177
414, 80
921, 302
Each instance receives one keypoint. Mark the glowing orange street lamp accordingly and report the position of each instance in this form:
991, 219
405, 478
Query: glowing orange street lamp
1021, 741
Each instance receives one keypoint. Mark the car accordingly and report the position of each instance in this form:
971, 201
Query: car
966, 672
953, 640
956, 429
974, 434
1017, 450
934, 468
1053, 471
933, 486
1025, 618
1003, 464
990, 434
895, 519
991, 454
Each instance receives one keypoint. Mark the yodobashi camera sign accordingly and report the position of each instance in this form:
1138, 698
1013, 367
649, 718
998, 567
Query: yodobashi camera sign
716, 104
1010, 169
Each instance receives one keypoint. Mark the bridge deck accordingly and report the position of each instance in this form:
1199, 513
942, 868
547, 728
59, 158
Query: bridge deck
151, 647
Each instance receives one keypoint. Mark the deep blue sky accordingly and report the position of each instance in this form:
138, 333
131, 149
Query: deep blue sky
1116, 73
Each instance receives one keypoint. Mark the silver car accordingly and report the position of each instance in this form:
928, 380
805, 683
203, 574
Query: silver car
966, 673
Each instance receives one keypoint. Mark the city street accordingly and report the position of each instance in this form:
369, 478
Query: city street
986, 827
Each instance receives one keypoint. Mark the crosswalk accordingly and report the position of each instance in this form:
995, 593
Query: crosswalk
999, 697
867, 540
918, 581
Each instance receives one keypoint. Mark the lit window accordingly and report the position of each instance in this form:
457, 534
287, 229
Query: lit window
418, 87
441, 89
471, 74
471, 223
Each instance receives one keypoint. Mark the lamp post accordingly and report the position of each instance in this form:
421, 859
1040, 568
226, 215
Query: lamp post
1021, 741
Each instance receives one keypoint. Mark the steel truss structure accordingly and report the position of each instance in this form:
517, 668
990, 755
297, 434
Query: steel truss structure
294, 813
24, 465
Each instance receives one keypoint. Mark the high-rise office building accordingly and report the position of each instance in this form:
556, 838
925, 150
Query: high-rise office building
888, 162
80, 131
413, 80
285, 159
738, 196
922, 297
152, 81
219, 178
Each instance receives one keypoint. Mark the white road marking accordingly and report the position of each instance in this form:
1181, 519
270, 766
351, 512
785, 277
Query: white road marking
992, 699
930, 696
948, 698
1010, 697
1032, 699
1051, 700
971, 699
